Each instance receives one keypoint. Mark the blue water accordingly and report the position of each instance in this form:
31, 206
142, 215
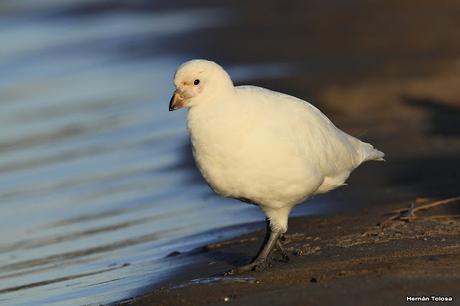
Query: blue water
97, 184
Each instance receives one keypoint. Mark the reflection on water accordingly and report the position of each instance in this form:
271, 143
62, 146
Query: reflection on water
96, 184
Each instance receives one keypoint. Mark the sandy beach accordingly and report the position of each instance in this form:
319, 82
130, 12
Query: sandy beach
344, 260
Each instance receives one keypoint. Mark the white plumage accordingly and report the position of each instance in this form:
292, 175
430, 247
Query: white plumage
265, 147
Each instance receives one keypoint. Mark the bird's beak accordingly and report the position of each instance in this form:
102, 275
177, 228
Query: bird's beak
178, 101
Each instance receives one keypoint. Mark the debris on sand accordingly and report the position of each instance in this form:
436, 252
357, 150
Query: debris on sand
406, 225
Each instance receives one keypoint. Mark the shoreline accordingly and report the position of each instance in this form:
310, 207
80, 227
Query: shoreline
349, 254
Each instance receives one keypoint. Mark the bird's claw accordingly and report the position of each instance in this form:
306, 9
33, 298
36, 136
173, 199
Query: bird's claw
256, 266
284, 258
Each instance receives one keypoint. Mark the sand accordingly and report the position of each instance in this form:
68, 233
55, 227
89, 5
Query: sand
335, 260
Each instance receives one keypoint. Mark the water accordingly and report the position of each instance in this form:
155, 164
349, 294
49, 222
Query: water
97, 185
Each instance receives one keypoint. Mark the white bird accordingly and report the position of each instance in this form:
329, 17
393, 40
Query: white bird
262, 147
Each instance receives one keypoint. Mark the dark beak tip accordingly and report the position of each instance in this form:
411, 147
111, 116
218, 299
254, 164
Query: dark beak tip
172, 107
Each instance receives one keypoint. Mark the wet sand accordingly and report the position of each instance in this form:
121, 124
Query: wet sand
344, 260
384, 71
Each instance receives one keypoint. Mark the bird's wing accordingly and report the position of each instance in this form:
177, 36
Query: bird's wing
331, 149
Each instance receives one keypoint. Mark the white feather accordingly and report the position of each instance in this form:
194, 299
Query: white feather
270, 148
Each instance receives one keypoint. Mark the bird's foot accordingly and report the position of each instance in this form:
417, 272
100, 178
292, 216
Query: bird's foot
255, 266
282, 250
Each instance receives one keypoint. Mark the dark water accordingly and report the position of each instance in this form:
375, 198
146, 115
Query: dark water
96, 181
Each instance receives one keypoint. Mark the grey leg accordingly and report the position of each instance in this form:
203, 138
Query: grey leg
284, 254
260, 261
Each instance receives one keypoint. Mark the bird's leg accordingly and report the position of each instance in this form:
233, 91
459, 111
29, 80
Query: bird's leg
280, 247
260, 261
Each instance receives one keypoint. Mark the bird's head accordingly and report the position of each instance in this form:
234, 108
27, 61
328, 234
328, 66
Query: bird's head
198, 82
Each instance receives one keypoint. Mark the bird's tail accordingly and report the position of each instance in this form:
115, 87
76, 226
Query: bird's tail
368, 152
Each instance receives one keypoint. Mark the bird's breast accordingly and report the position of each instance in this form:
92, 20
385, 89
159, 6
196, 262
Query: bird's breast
216, 149
243, 159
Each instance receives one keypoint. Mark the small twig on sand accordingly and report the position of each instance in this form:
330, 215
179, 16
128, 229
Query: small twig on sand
408, 214
436, 203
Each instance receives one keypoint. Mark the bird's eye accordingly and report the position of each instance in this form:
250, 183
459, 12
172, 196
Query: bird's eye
196, 82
